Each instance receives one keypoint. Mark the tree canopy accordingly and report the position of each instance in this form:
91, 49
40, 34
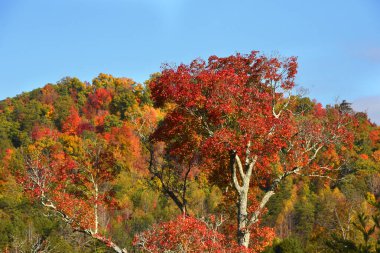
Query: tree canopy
220, 155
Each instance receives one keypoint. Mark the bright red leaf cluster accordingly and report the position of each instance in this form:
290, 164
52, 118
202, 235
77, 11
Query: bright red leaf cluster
185, 234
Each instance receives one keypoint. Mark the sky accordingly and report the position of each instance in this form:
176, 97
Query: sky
337, 42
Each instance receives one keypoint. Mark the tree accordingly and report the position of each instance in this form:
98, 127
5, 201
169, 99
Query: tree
185, 234
72, 122
97, 101
71, 180
239, 112
367, 228
172, 173
72, 167
288, 245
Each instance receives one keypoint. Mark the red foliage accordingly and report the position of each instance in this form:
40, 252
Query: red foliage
70, 184
375, 136
260, 237
240, 106
229, 101
99, 120
128, 149
318, 110
40, 132
72, 122
99, 100
185, 234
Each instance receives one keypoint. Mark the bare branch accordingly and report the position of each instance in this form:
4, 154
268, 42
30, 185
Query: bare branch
263, 202
233, 172
250, 168
240, 166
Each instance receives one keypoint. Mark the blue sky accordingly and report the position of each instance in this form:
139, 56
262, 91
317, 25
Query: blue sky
337, 41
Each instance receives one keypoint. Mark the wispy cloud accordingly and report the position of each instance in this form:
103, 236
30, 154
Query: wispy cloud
371, 105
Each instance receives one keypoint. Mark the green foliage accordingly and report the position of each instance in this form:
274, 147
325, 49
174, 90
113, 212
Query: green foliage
6, 132
62, 108
288, 245
123, 104
111, 121
304, 213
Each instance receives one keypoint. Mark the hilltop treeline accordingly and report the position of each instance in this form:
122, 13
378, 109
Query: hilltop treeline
214, 156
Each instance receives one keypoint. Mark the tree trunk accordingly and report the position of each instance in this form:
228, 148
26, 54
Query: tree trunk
96, 225
243, 233
242, 189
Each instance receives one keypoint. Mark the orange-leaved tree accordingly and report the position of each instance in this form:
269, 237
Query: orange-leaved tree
240, 113
72, 177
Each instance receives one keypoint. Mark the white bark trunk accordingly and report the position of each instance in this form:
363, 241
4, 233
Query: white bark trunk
89, 232
243, 232
243, 219
96, 209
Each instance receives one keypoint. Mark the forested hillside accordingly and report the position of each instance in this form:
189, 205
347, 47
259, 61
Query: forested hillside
215, 156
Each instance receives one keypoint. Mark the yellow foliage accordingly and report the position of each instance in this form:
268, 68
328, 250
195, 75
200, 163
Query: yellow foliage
72, 145
376, 155
288, 207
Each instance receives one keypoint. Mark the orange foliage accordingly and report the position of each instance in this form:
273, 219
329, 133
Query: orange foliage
376, 155
127, 149
72, 122
375, 136
40, 132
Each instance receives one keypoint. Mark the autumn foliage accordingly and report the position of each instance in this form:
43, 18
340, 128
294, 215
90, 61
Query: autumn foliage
185, 234
219, 155
236, 112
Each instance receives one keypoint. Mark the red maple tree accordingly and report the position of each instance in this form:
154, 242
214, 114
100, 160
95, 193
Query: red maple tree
238, 112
